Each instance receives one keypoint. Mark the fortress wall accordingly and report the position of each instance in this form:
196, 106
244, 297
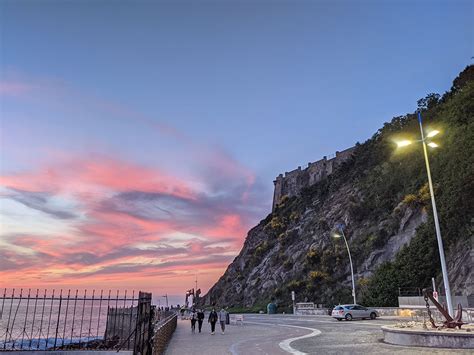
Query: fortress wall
292, 182
316, 171
345, 154
295, 180
277, 192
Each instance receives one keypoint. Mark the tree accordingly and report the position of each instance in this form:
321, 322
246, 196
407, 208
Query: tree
428, 102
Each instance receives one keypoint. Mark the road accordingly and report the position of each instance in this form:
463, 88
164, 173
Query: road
288, 334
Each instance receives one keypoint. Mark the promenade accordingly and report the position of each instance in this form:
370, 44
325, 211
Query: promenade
288, 334
238, 339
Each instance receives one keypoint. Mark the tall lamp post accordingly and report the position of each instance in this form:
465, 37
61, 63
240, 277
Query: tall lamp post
444, 269
340, 227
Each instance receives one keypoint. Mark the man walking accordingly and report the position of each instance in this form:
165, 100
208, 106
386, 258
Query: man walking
193, 320
200, 316
222, 319
213, 320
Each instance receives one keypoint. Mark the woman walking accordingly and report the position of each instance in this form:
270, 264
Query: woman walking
213, 320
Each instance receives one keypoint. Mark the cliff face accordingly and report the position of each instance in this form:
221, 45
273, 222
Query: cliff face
302, 255
380, 194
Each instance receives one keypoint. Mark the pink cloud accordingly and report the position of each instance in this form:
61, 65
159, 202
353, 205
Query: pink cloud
78, 175
228, 225
105, 236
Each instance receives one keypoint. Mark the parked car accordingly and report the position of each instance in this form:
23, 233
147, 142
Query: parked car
352, 311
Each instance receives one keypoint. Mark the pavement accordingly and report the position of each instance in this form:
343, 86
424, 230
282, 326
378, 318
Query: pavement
287, 334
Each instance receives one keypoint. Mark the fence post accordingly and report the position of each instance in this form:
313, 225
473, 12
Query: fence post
142, 330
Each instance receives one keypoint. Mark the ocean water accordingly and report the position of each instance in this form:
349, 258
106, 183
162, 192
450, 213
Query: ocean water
42, 324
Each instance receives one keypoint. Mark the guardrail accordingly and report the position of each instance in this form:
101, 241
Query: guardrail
163, 332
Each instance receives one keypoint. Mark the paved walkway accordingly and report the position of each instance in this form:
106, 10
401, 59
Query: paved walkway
298, 335
248, 339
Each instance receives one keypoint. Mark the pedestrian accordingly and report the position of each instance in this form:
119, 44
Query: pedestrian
213, 320
193, 320
200, 317
222, 319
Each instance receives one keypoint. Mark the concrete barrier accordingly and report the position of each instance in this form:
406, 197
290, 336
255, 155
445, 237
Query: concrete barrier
419, 301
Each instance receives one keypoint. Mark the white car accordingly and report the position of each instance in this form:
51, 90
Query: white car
352, 311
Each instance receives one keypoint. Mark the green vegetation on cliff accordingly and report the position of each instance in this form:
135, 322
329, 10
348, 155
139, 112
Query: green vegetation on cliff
386, 176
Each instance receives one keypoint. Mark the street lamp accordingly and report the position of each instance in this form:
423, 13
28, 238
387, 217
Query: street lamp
336, 235
435, 212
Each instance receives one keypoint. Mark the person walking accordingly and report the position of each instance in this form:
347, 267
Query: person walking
193, 320
200, 318
222, 318
213, 320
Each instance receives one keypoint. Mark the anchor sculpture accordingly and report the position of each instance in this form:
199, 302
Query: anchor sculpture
449, 322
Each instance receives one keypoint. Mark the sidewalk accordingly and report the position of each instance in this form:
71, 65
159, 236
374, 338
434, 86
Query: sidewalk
248, 339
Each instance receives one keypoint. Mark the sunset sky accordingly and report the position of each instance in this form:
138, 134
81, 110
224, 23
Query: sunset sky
139, 140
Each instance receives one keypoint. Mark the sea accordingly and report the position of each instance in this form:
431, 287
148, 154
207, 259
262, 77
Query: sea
40, 324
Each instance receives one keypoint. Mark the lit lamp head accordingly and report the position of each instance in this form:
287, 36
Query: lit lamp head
432, 133
432, 145
338, 231
403, 143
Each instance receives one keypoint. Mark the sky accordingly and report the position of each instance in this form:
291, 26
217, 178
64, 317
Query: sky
139, 139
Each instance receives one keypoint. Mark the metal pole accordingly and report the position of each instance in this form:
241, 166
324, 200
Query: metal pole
352, 269
444, 269
293, 300
59, 317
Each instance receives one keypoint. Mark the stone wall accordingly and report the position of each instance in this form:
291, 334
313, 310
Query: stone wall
292, 182
163, 333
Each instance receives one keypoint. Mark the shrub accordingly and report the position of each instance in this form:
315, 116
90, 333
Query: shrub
261, 249
318, 276
313, 257
294, 216
295, 285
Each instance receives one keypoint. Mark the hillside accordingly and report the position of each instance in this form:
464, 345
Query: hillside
381, 195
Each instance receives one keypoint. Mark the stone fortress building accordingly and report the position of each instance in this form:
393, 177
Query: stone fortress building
293, 181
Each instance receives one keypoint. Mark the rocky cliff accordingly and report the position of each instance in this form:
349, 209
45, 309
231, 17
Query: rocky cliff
381, 197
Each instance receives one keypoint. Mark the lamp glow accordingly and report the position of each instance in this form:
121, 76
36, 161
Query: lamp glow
403, 143
432, 144
432, 134
335, 235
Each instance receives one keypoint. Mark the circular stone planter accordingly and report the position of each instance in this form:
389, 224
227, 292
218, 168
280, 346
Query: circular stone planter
454, 339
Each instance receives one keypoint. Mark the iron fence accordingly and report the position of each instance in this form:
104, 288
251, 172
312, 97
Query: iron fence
50, 320
412, 291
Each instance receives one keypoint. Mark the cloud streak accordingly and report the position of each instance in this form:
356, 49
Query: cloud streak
38, 201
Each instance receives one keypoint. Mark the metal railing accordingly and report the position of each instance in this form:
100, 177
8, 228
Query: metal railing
412, 291
50, 320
